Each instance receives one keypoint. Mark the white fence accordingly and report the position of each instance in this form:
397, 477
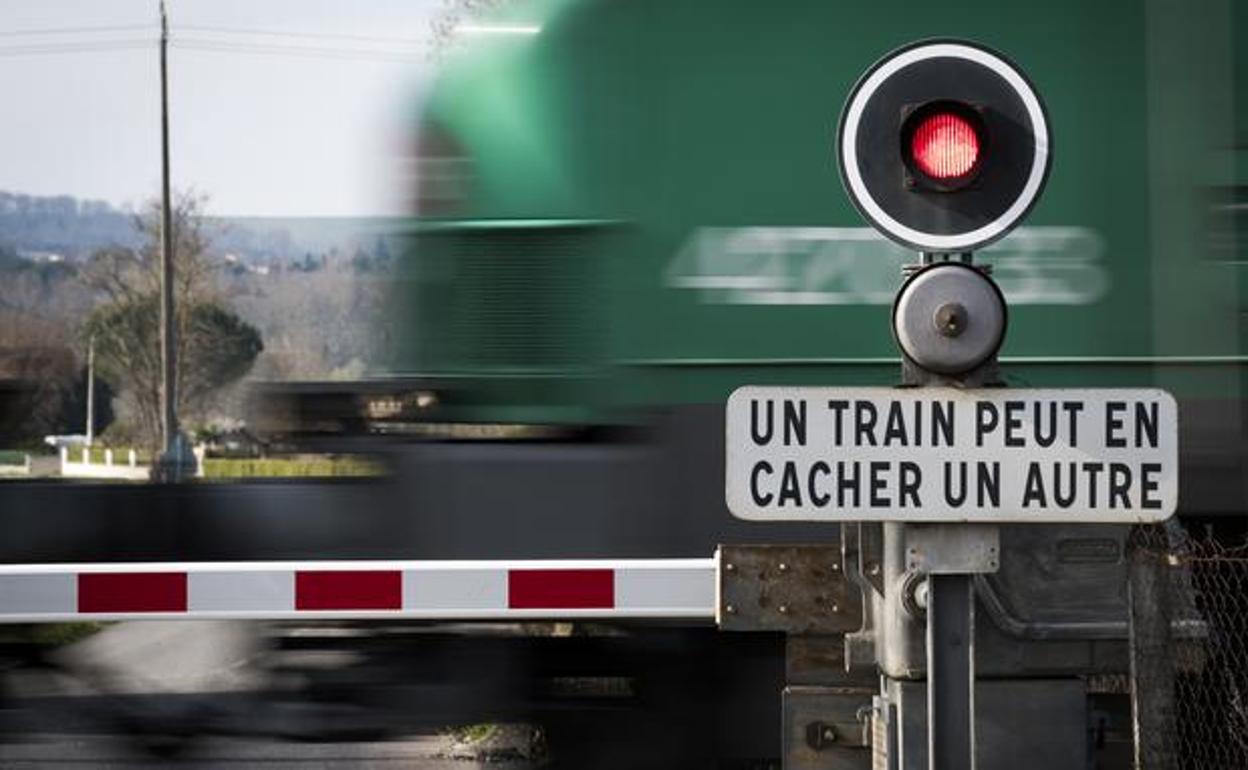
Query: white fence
85, 469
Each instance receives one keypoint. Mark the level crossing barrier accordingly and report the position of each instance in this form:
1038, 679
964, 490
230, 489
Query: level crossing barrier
344, 590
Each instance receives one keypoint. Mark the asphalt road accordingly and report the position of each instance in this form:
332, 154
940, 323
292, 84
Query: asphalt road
77, 751
222, 694
74, 714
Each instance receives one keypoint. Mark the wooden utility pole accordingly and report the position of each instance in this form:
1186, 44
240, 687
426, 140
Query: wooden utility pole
168, 354
175, 462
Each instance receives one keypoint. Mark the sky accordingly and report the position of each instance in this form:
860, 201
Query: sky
277, 107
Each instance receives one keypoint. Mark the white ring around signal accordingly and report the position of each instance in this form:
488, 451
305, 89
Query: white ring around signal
934, 241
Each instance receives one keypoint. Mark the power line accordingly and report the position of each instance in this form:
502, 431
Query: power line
303, 35
55, 48
77, 30
372, 48
320, 52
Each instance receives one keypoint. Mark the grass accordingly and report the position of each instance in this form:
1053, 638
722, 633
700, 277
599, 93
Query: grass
487, 742
474, 733
50, 634
308, 466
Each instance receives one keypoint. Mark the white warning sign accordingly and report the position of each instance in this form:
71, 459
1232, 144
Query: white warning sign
941, 454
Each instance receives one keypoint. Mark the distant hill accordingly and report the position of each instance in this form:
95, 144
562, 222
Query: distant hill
62, 225
284, 239
38, 227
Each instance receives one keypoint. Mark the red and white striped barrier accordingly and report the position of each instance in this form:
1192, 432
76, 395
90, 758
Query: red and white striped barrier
436, 590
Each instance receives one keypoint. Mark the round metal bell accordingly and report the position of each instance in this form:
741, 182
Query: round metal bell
949, 318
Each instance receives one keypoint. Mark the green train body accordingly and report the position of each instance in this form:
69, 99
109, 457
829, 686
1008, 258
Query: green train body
631, 204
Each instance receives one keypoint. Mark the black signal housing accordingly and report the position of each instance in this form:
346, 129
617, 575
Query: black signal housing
986, 177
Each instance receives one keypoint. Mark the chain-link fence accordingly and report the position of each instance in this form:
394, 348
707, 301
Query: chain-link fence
1189, 649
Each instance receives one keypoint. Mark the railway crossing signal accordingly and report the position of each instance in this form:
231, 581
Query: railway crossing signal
944, 146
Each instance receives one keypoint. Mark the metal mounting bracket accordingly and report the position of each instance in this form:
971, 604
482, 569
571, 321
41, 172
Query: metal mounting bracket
952, 549
795, 589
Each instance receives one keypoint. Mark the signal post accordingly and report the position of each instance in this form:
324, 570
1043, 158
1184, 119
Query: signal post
944, 146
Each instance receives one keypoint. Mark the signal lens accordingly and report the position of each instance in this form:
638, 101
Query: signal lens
945, 146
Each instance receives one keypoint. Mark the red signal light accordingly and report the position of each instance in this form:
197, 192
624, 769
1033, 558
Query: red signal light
945, 146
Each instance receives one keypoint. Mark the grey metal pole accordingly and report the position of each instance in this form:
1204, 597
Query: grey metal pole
950, 672
91, 390
1153, 675
168, 464
168, 354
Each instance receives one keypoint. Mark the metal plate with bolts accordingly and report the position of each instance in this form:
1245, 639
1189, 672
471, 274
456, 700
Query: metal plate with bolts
795, 589
948, 549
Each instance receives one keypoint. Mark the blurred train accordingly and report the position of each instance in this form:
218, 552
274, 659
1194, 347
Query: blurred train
624, 210
630, 206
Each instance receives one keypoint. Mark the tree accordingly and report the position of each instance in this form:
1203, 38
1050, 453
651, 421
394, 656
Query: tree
214, 346
123, 274
39, 366
73, 414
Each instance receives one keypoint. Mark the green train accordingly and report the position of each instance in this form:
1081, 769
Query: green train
625, 205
